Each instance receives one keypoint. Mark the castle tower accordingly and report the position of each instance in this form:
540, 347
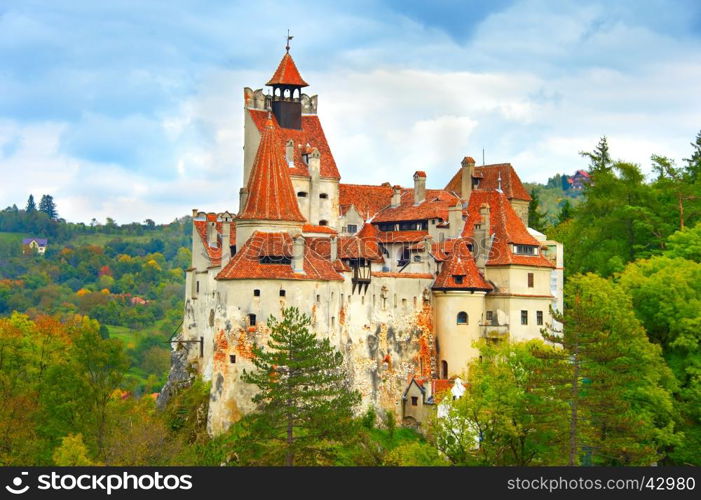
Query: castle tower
458, 297
287, 86
271, 204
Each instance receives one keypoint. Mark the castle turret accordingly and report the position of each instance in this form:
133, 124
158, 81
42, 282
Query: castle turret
287, 86
271, 204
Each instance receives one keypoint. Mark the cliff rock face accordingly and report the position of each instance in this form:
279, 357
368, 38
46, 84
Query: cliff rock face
181, 373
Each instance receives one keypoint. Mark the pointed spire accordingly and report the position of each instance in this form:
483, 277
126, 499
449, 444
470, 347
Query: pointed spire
270, 192
287, 73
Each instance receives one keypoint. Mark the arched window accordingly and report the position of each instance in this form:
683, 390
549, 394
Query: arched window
462, 318
444, 369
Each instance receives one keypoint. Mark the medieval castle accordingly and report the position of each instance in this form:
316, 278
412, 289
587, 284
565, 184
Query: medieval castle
402, 280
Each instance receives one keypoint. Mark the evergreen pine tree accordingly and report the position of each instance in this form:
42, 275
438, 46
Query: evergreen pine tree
304, 404
599, 159
31, 206
536, 219
565, 212
48, 206
693, 164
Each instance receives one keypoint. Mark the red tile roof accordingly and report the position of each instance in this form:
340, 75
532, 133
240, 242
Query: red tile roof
401, 236
287, 73
367, 200
419, 173
359, 246
436, 205
311, 133
270, 192
460, 263
311, 228
489, 180
214, 253
425, 276
246, 263
507, 228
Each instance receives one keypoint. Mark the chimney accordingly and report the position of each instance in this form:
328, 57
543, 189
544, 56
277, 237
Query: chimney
467, 171
226, 219
298, 254
419, 187
455, 220
243, 196
314, 162
481, 245
194, 213
212, 233
396, 196
334, 249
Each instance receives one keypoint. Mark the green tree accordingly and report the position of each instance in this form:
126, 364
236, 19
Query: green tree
536, 219
47, 206
304, 404
599, 159
72, 452
615, 382
31, 205
565, 213
693, 163
666, 294
505, 417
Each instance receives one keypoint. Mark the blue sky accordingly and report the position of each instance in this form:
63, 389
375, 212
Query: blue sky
133, 109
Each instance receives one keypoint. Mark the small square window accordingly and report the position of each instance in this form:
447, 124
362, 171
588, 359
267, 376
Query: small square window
256, 293
282, 293
458, 280
352, 228
252, 320
232, 358
414, 401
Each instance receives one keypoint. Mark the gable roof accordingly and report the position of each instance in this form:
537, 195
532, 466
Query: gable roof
506, 227
367, 200
42, 242
311, 133
287, 73
246, 263
489, 179
460, 263
214, 252
434, 206
270, 192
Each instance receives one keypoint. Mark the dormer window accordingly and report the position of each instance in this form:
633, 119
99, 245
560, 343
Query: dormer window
458, 280
323, 222
525, 249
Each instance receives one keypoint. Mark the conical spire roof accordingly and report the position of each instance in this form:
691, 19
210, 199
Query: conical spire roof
270, 192
287, 73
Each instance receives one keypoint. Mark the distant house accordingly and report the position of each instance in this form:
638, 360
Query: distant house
576, 181
34, 245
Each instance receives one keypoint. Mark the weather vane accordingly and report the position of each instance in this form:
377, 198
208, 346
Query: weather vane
289, 37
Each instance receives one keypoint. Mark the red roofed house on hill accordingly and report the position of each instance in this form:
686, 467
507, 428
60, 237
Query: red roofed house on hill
402, 280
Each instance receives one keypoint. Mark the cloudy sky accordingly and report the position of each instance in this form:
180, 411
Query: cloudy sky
132, 109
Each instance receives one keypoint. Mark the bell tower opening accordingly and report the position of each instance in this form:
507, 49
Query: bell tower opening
287, 86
